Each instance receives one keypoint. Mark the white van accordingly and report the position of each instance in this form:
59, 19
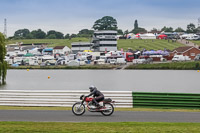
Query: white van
180, 58
192, 37
121, 61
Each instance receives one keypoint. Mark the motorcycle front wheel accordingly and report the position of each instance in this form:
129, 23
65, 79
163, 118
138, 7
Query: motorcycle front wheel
78, 109
109, 109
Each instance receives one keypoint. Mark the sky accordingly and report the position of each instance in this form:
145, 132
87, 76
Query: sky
70, 16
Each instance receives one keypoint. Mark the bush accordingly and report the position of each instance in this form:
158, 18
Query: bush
197, 66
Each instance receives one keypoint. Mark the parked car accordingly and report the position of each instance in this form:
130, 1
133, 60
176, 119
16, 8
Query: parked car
197, 57
113, 61
139, 61
149, 60
121, 61
73, 63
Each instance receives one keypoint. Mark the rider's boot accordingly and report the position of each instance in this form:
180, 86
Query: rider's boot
98, 106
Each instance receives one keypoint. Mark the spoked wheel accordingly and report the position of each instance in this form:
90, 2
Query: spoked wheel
108, 110
78, 109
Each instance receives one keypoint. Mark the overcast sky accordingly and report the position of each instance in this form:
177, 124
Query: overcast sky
70, 16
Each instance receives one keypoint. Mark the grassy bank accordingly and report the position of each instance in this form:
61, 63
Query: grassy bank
194, 65
66, 67
173, 66
51, 42
196, 42
123, 43
108, 127
148, 44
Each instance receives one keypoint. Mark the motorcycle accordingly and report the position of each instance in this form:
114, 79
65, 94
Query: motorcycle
106, 107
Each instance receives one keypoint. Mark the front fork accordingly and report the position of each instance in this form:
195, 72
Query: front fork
81, 104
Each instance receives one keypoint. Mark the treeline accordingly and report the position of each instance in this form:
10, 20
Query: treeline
105, 23
52, 34
191, 28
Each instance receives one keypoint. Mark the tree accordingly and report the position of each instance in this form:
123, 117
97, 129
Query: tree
126, 32
119, 32
52, 33
85, 33
138, 29
21, 34
73, 36
164, 28
167, 29
179, 29
105, 23
191, 28
198, 29
3, 64
67, 36
154, 30
38, 34
51, 36
136, 24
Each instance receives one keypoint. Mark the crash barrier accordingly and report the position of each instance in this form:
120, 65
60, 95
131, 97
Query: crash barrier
59, 98
166, 100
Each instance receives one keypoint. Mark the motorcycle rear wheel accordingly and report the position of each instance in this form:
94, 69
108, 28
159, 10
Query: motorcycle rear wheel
108, 112
78, 109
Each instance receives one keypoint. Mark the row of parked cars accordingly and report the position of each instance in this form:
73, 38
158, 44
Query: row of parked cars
143, 60
176, 58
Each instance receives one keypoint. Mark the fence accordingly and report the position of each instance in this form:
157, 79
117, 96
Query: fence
126, 99
166, 100
57, 98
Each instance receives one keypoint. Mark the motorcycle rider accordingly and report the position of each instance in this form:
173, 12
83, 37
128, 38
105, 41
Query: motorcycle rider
98, 96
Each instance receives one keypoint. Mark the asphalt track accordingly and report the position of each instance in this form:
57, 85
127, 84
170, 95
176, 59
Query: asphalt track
118, 116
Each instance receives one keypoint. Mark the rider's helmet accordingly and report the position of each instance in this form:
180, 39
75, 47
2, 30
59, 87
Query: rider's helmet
92, 87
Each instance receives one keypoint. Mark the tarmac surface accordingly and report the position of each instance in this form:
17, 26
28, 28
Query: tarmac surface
118, 116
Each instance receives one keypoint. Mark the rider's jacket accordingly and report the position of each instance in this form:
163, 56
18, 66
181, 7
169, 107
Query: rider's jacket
95, 93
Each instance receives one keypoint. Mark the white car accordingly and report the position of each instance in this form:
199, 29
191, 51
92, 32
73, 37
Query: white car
113, 61
121, 61
139, 61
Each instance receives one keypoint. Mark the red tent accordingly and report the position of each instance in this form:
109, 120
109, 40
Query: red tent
137, 35
162, 36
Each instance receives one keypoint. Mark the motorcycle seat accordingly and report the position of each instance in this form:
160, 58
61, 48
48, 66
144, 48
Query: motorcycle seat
107, 100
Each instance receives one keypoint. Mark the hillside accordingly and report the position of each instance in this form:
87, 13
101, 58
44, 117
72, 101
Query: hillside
147, 44
125, 44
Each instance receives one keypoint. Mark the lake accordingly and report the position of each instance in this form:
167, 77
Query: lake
178, 81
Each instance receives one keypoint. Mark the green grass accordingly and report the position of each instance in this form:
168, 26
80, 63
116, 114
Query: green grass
135, 44
197, 42
193, 65
103, 127
173, 66
116, 109
51, 42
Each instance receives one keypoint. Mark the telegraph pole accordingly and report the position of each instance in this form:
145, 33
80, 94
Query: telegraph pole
5, 28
